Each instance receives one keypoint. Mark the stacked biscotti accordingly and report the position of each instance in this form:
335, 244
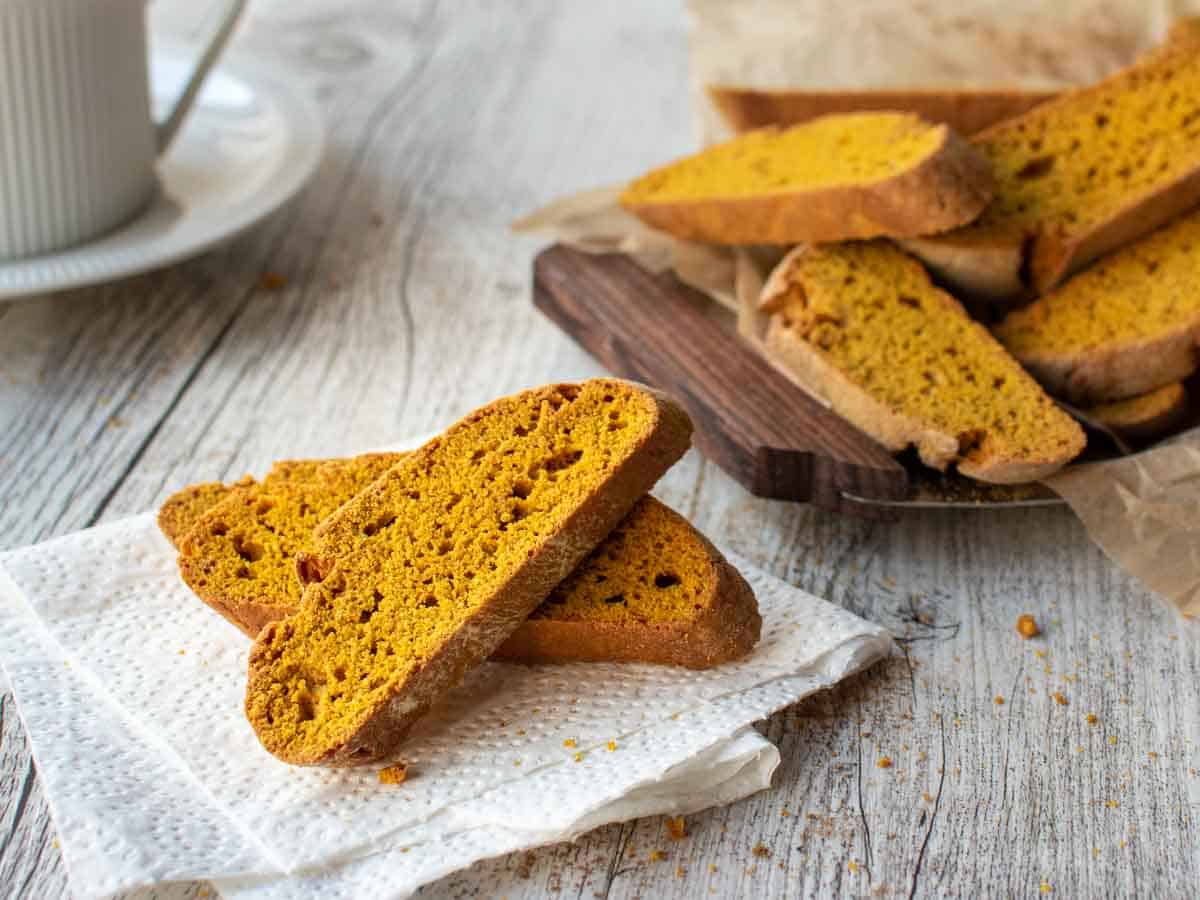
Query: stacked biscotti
372, 585
971, 298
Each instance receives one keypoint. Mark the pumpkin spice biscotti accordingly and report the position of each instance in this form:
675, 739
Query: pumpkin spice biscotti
838, 177
1125, 326
1078, 177
430, 569
862, 326
655, 591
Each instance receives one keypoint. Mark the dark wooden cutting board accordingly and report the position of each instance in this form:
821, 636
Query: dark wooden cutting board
750, 419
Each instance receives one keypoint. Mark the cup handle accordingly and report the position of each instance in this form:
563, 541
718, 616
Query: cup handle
170, 125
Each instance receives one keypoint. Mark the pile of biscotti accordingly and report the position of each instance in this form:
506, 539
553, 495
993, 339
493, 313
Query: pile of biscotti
973, 297
372, 585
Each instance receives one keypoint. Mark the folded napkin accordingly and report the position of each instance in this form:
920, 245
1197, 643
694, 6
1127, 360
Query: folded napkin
131, 691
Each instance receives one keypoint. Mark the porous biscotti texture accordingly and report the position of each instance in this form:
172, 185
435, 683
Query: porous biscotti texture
834, 178
862, 326
181, 510
1080, 176
965, 110
240, 554
1125, 326
426, 572
1146, 415
654, 591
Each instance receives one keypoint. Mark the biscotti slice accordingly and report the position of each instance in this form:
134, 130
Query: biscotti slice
1078, 177
655, 591
1125, 326
966, 110
1145, 416
240, 554
836, 177
426, 572
862, 326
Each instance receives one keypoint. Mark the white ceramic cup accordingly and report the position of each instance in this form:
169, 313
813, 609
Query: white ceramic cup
77, 141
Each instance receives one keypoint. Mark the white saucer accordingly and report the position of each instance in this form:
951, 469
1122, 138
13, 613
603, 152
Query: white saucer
251, 142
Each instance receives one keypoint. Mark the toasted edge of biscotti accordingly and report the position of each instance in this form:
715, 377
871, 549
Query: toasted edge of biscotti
385, 724
894, 429
967, 110
727, 626
192, 508
948, 188
1145, 416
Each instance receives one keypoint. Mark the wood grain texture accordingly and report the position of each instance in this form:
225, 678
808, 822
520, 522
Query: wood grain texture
407, 303
750, 419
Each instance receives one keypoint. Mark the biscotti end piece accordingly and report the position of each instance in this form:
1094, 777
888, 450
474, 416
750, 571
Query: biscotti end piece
1123, 327
1084, 174
239, 556
834, 178
181, 510
966, 110
862, 326
432, 567
655, 591
1147, 415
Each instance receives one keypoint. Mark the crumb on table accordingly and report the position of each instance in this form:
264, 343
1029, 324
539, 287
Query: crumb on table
676, 828
1027, 626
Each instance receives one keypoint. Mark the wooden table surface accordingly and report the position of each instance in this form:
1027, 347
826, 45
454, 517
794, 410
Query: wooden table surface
407, 303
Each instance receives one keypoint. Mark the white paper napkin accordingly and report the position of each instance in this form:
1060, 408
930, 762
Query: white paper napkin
131, 691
